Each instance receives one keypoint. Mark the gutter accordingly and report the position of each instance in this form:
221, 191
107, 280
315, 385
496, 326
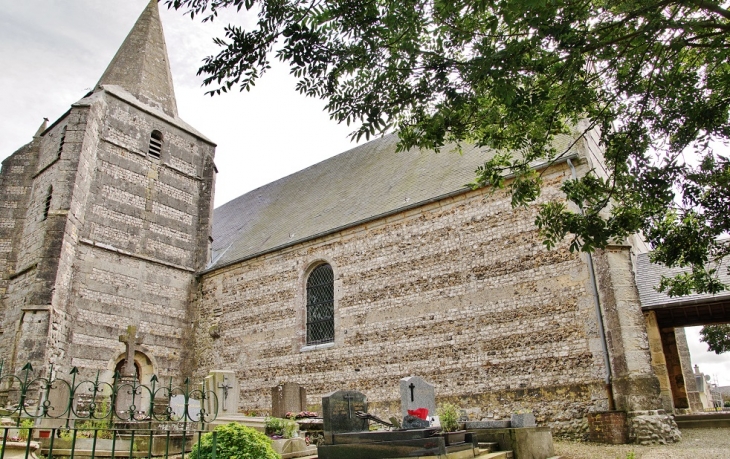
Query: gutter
599, 316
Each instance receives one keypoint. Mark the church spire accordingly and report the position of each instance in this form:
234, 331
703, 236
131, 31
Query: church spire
141, 65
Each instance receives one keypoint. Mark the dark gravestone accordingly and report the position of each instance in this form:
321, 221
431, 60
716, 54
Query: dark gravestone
288, 397
415, 393
338, 413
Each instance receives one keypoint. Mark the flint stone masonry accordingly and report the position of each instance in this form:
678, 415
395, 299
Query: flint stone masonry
451, 284
652, 427
451, 291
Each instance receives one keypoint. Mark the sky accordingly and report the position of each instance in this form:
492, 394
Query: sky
52, 52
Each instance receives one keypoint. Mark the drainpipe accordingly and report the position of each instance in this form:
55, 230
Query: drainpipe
599, 316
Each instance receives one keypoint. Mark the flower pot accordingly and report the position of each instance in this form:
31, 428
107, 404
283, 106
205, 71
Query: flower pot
454, 438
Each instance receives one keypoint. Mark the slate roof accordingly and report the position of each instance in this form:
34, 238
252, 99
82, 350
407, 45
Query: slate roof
367, 182
649, 274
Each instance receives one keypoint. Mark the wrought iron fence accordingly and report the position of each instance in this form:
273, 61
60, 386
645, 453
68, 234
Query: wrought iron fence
96, 418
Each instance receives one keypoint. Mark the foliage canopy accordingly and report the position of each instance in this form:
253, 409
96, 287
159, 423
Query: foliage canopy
717, 337
651, 77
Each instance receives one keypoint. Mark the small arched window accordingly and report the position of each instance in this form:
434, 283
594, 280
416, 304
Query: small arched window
321, 305
155, 144
47, 203
63, 140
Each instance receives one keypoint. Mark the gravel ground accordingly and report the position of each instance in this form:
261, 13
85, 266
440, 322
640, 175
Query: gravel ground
695, 444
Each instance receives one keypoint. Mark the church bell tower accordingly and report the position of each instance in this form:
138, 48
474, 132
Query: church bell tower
111, 222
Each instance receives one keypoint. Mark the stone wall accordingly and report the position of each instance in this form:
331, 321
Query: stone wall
120, 244
461, 292
15, 187
634, 383
690, 384
144, 233
38, 234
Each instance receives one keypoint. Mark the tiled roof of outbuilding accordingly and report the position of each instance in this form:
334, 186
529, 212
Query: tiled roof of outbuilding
648, 276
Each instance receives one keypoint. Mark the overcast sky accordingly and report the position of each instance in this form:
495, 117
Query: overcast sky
54, 51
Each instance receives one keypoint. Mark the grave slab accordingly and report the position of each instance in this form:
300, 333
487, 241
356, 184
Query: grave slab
426, 447
502, 424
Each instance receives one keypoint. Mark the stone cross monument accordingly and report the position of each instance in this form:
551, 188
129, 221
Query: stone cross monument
131, 340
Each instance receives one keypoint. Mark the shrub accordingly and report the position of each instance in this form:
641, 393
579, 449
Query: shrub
25, 425
235, 441
727, 404
290, 427
274, 426
449, 417
86, 429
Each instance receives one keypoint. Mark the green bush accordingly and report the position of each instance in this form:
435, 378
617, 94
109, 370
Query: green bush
449, 417
26, 424
235, 441
727, 404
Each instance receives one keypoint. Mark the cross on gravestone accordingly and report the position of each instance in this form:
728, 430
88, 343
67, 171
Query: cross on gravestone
225, 386
130, 340
349, 397
411, 387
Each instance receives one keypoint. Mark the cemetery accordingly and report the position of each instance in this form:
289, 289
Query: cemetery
91, 418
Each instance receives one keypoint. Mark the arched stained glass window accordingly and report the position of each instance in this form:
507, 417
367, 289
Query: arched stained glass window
321, 305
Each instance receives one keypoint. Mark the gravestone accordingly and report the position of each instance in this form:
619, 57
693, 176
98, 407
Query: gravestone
415, 392
288, 397
339, 410
130, 340
125, 398
224, 385
519, 420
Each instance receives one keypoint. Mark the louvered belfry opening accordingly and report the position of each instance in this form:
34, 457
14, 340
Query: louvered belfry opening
321, 305
47, 203
155, 144
63, 141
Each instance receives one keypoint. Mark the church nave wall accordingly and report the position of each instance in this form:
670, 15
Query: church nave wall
461, 292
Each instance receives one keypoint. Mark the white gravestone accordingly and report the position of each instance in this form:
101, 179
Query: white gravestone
224, 384
416, 392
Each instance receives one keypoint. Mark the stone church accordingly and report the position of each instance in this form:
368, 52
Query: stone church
351, 274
